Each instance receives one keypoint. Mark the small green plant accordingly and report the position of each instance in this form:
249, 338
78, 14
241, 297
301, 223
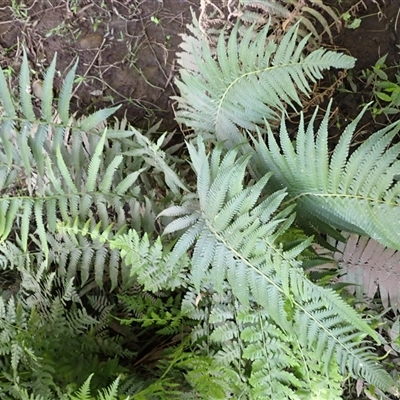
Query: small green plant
60, 30
350, 21
386, 91
19, 10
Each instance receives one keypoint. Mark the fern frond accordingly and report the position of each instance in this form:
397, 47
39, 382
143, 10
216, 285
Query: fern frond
301, 12
268, 6
93, 169
54, 172
356, 193
155, 157
93, 120
6, 98
371, 266
247, 254
247, 81
112, 392
152, 269
84, 391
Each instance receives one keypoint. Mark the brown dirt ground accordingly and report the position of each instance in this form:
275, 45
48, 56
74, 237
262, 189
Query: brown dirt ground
126, 50
378, 34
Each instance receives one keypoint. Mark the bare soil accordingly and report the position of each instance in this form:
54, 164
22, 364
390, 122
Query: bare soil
126, 50
377, 35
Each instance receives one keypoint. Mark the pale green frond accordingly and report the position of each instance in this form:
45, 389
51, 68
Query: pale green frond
320, 18
8, 220
175, 211
230, 209
24, 149
224, 184
203, 183
95, 162
26, 223
40, 227
180, 223
111, 393
221, 96
128, 181
84, 391
202, 257
114, 268
5, 96
339, 157
65, 172
186, 240
4, 205
216, 158
246, 253
268, 6
155, 157
198, 155
99, 265
355, 193
41, 132
6, 131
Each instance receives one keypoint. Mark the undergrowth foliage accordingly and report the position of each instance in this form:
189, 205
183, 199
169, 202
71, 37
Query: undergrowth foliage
111, 245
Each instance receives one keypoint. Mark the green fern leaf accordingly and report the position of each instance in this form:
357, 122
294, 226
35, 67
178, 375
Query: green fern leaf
112, 392
65, 172
40, 228
25, 151
5, 96
106, 182
356, 193
93, 120
8, 218
94, 166
247, 81
84, 392
246, 253
128, 181
26, 223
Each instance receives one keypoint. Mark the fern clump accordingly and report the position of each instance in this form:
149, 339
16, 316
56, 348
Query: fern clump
111, 246
236, 235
